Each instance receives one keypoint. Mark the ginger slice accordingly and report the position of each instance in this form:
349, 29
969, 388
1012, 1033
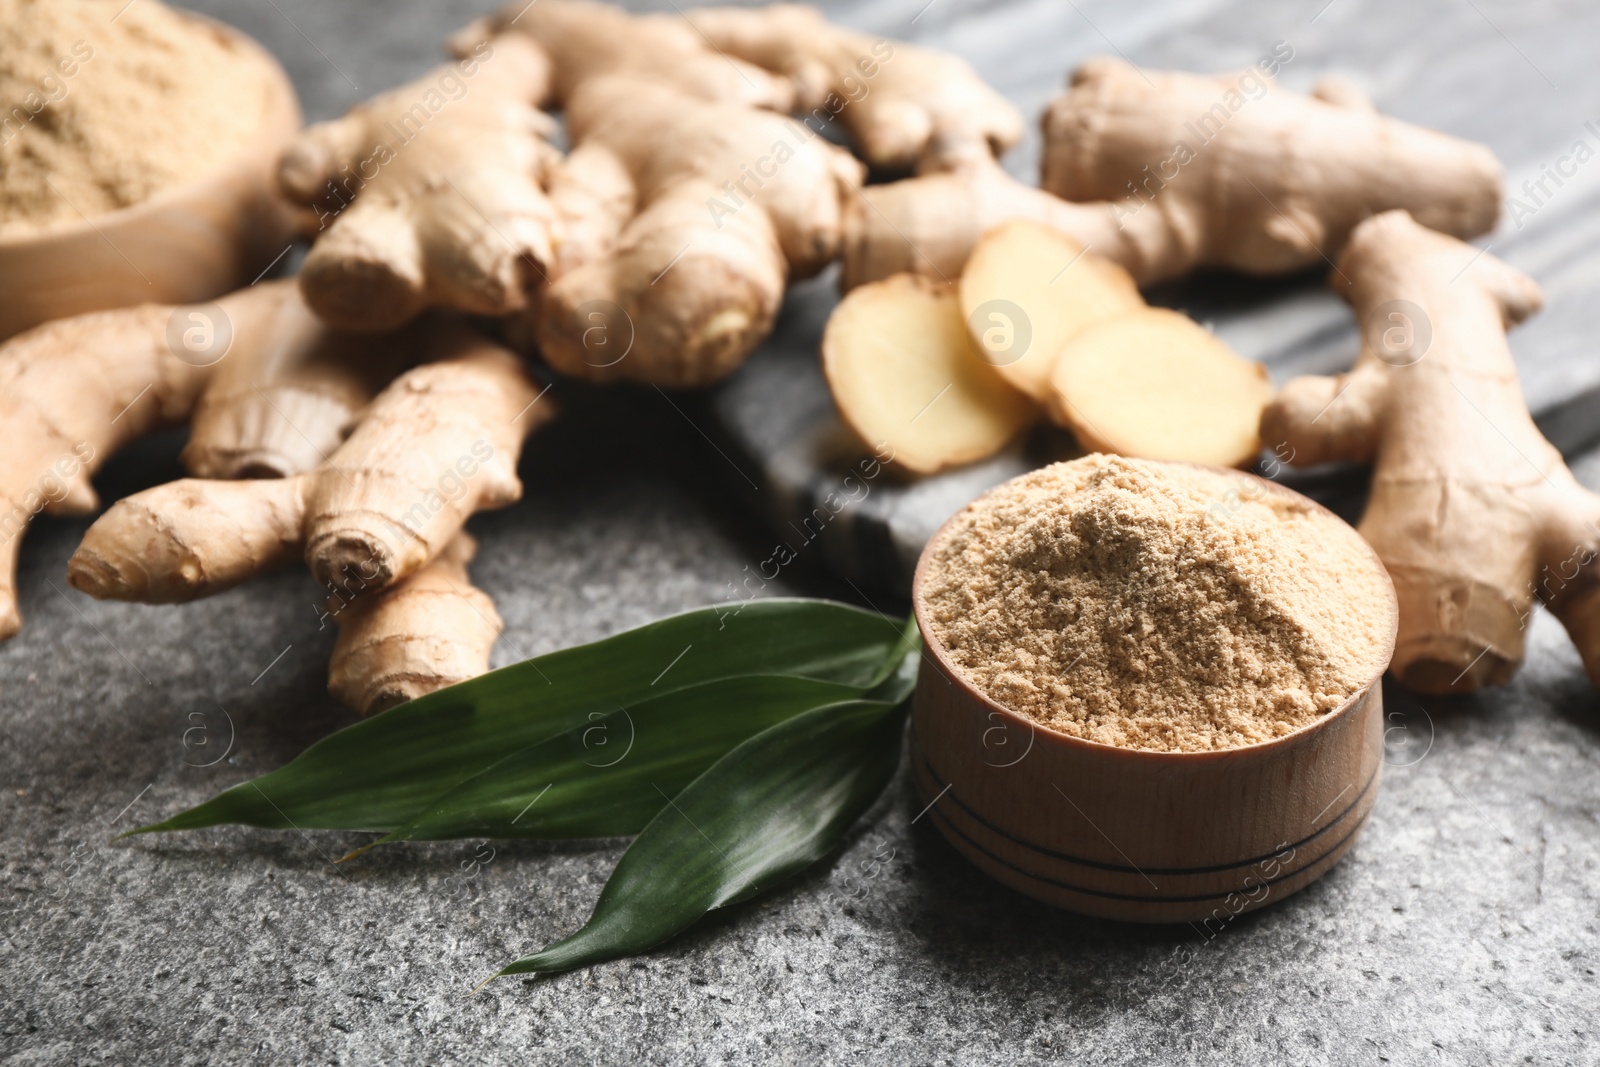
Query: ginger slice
1028, 290
906, 378
1156, 385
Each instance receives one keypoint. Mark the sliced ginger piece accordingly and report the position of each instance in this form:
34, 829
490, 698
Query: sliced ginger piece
1059, 288
1156, 385
906, 378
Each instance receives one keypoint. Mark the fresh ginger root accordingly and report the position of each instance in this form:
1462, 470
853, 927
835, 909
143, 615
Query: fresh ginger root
579, 40
71, 393
687, 205
1027, 290
903, 106
270, 389
1191, 147
289, 388
1156, 385
908, 380
696, 271
430, 194
429, 631
437, 445
930, 224
688, 201
1472, 511
462, 218
1165, 172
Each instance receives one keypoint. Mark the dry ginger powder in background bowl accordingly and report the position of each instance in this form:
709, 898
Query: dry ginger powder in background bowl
108, 104
1157, 606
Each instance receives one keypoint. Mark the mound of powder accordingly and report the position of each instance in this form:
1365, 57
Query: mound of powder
108, 103
1158, 606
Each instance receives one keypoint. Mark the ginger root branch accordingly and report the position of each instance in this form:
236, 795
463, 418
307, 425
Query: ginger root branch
429, 631
1165, 172
437, 445
1472, 511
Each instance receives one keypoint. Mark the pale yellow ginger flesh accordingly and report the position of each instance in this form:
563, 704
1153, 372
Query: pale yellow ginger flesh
429, 631
1472, 511
1156, 385
436, 446
1164, 172
907, 379
1027, 291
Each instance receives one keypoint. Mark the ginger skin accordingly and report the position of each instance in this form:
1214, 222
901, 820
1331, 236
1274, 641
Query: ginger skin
1272, 185
1472, 511
379, 520
460, 218
72, 392
430, 631
692, 270
575, 41
281, 393
443, 179
289, 389
930, 224
687, 203
903, 106
437, 445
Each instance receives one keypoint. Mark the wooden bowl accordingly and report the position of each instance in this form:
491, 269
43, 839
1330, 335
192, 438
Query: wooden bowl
1120, 833
190, 243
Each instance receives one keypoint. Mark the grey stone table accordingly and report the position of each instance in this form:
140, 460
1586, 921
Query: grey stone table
1463, 928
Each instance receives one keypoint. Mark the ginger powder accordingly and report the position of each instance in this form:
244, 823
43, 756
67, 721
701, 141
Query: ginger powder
1157, 606
107, 104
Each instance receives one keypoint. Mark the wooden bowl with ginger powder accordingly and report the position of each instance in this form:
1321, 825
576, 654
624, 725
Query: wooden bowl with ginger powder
138, 150
1152, 690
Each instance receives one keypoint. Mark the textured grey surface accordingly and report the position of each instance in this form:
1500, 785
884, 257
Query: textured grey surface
1464, 928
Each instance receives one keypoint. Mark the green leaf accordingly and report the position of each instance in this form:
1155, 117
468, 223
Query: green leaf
381, 773
769, 808
898, 676
611, 775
